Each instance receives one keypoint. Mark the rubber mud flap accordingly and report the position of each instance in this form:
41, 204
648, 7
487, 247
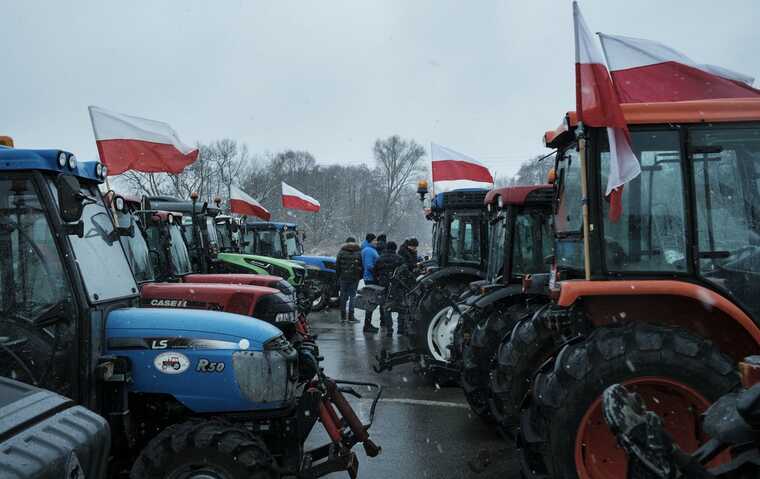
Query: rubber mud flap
44, 435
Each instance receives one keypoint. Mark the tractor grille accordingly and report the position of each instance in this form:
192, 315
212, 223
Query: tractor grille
299, 274
464, 199
543, 196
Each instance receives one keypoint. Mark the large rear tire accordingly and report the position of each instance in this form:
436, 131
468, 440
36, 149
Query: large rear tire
205, 449
519, 356
478, 357
677, 374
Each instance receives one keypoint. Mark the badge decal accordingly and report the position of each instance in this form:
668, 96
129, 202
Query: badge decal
171, 363
206, 366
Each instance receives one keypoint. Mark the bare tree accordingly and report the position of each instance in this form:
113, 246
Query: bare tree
399, 163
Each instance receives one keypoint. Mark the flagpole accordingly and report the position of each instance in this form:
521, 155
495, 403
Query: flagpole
581, 136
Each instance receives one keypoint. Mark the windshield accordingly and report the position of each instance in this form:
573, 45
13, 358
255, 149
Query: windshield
225, 235
265, 242
464, 238
649, 234
532, 242
496, 247
293, 246
32, 278
180, 256
568, 216
213, 238
726, 169
136, 249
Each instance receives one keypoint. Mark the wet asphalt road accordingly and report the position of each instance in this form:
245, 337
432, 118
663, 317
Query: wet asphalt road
425, 431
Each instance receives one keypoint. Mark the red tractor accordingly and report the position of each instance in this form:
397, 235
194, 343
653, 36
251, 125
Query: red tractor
671, 305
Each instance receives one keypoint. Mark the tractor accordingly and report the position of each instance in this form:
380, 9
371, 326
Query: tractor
665, 302
520, 240
187, 393
459, 258
282, 240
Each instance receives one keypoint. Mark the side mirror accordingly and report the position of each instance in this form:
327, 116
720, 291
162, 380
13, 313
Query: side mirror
127, 230
70, 201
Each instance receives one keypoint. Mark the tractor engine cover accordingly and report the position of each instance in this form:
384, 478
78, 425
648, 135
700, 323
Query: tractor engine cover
231, 298
210, 362
44, 435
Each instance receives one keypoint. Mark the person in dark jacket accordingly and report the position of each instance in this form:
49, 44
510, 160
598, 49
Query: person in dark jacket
408, 252
369, 256
385, 265
349, 270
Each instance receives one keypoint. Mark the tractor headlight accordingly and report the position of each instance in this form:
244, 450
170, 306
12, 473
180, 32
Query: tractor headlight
72, 162
61, 159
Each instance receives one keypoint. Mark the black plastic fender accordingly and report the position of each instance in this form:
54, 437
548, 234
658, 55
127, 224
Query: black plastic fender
451, 271
497, 295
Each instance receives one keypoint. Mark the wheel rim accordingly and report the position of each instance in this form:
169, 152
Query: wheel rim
440, 334
597, 454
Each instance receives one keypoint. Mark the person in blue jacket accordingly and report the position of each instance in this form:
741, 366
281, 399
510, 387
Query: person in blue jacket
369, 257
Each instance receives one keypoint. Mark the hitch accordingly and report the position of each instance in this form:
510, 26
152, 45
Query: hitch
386, 361
344, 428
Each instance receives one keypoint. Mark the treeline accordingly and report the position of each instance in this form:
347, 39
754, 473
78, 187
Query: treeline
354, 199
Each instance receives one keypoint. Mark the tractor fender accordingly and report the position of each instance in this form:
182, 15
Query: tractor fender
211, 362
508, 293
232, 298
696, 308
453, 272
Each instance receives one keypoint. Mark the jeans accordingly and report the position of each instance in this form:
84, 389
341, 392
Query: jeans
386, 318
347, 295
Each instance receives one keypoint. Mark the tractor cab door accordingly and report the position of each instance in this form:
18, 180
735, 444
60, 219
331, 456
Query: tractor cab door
463, 245
726, 170
38, 313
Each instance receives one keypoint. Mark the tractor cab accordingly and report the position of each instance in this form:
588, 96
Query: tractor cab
228, 232
460, 234
674, 259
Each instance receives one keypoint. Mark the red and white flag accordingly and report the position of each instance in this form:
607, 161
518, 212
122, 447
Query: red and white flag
647, 71
131, 143
242, 204
597, 105
455, 171
296, 200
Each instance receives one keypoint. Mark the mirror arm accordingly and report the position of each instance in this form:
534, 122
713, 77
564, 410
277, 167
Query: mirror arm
126, 230
74, 228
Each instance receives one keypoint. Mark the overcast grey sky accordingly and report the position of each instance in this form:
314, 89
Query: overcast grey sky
482, 77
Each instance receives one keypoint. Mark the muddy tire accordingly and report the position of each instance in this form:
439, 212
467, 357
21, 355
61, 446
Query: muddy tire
520, 354
204, 448
478, 357
676, 373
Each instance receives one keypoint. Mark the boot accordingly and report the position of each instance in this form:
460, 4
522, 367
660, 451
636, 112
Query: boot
368, 328
342, 316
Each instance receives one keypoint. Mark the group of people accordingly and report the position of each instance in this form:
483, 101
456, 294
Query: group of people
374, 261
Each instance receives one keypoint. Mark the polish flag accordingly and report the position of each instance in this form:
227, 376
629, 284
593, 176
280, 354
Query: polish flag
597, 105
242, 204
295, 200
131, 143
646, 71
455, 171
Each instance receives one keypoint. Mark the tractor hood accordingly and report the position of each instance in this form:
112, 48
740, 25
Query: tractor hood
231, 298
321, 262
135, 328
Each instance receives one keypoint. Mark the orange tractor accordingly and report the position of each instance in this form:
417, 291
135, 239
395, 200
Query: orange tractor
673, 300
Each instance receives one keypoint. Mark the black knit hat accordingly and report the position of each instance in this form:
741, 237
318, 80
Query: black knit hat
370, 237
350, 239
382, 238
412, 242
391, 247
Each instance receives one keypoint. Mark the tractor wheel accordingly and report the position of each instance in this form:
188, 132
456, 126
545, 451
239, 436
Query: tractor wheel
519, 356
428, 317
205, 449
478, 357
676, 373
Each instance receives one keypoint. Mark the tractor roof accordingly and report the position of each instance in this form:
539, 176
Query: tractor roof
464, 198
168, 203
15, 159
697, 111
269, 225
521, 195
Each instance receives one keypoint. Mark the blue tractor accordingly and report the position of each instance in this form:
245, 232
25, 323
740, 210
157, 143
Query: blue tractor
188, 394
282, 240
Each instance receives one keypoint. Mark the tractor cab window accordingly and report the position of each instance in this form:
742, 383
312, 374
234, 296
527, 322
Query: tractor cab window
213, 238
464, 238
136, 249
496, 239
648, 234
37, 316
225, 235
568, 212
100, 246
532, 243
726, 167
293, 245
436, 241
180, 256
267, 243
